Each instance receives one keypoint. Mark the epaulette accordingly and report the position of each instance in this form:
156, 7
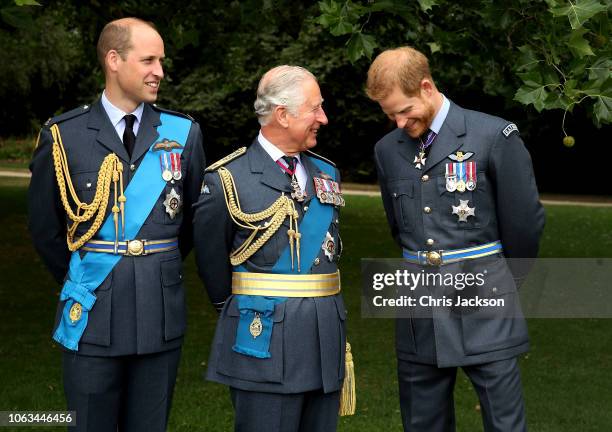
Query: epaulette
67, 115
176, 113
509, 129
318, 156
230, 157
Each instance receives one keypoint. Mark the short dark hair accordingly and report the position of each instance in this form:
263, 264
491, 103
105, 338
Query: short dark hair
117, 35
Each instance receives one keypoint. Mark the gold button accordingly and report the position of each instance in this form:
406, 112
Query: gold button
317, 261
425, 178
434, 258
427, 210
132, 167
430, 242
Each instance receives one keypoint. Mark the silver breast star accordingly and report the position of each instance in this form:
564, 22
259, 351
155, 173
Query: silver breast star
463, 210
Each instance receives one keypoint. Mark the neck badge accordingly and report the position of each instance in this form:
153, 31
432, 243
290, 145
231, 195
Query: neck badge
419, 160
463, 210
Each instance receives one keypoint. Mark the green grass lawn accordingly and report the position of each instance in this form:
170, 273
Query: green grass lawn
567, 376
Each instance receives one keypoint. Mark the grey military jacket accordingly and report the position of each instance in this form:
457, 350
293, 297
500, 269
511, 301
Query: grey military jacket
140, 306
419, 212
308, 335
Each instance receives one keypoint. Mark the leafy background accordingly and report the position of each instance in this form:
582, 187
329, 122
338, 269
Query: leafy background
544, 65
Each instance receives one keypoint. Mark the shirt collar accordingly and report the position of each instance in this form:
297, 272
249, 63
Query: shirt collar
116, 115
274, 152
438, 120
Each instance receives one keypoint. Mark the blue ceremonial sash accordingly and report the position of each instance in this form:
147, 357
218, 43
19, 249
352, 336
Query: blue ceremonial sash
87, 274
314, 227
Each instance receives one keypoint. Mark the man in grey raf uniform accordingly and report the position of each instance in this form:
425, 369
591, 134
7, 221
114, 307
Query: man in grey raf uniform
460, 197
110, 202
267, 248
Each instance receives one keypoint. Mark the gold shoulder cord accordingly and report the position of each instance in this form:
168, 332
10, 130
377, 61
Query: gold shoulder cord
281, 208
111, 169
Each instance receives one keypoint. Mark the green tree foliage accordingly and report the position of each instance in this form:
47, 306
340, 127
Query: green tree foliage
558, 52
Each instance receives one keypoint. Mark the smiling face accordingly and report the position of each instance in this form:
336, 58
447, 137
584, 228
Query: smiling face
414, 114
302, 129
135, 78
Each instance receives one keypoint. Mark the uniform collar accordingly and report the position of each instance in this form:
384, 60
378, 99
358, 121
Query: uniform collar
116, 115
438, 120
274, 152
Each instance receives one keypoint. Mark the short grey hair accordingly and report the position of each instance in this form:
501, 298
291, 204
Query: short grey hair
280, 86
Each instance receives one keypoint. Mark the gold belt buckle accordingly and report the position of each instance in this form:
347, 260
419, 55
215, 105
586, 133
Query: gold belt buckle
135, 248
434, 258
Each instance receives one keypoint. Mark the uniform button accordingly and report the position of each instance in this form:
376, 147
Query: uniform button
394, 195
317, 261
336, 220
425, 178
427, 210
132, 167
494, 289
430, 242
305, 208
88, 184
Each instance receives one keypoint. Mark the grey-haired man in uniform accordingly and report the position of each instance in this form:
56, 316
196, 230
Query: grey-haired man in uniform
135, 171
460, 195
267, 248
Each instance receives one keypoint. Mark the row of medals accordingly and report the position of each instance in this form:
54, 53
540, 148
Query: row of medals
465, 180
171, 172
328, 191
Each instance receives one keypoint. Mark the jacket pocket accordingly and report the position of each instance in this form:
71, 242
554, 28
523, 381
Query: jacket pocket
85, 184
174, 298
98, 328
404, 206
240, 366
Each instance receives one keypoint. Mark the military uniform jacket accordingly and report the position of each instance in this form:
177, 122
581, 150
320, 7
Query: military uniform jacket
507, 208
308, 335
140, 306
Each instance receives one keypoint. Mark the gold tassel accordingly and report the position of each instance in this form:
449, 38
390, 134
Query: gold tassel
348, 397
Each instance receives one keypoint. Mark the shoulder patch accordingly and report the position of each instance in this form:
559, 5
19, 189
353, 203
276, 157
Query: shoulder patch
67, 115
165, 110
509, 129
230, 157
318, 156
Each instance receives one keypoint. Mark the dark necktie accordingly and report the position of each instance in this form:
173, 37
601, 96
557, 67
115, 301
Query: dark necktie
129, 139
291, 162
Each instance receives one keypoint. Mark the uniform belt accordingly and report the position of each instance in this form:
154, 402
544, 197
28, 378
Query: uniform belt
285, 285
131, 247
441, 257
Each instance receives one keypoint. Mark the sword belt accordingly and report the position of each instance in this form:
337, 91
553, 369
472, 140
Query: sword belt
441, 257
131, 247
285, 285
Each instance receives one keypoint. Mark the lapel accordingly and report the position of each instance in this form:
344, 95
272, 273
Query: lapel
407, 147
311, 171
147, 132
107, 135
450, 137
271, 174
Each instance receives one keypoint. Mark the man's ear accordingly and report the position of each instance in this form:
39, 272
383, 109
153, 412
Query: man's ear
280, 115
427, 87
112, 60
